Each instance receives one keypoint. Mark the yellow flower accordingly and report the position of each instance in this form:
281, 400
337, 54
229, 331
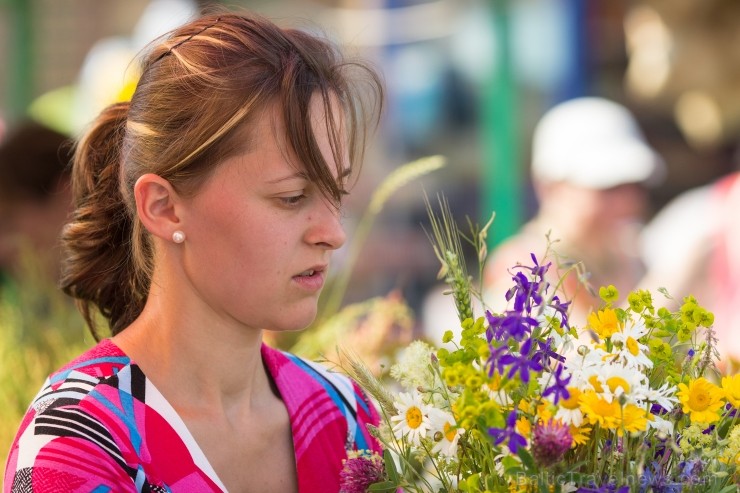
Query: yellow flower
452, 377
731, 453
525, 407
633, 419
572, 401
600, 411
604, 323
524, 427
412, 421
595, 383
544, 412
701, 400
494, 383
731, 388
659, 348
609, 293
521, 484
615, 382
580, 435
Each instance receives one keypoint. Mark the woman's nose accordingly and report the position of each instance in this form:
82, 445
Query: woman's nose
326, 228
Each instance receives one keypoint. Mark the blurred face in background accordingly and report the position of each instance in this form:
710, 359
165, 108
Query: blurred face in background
35, 198
29, 234
593, 216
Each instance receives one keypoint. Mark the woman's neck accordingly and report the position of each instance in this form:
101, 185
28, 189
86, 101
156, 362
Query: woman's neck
195, 358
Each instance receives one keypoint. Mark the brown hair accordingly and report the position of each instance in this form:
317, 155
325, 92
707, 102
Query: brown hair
198, 86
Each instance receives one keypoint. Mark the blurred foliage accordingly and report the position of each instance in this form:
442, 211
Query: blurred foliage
374, 329
40, 330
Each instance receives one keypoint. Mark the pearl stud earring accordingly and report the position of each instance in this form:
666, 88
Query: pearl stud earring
178, 236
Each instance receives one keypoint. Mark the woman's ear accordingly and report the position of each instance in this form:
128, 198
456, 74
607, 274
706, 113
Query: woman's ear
157, 205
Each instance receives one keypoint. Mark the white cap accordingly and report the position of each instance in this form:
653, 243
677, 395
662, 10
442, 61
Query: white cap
593, 143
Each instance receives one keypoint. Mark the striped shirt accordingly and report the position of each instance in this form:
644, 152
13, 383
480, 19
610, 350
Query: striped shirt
99, 425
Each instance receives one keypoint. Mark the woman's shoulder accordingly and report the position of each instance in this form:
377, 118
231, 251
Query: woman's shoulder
318, 397
71, 416
74, 381
286, 365
102, 360
302, 378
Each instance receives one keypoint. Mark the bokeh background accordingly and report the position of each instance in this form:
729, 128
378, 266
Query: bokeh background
465, 79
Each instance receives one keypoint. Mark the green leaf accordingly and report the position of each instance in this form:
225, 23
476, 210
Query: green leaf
510, 464
390, 466
724, 427
728, 489
527, 459
384, 486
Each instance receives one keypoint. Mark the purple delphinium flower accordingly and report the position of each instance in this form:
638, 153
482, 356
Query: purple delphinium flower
509, 433
691, 471
493, 359
559, 389
525, 292
562, 309
545, 353
522, 364
655, 480
550, 442
511, 324
657, 409
730, 410
358, 473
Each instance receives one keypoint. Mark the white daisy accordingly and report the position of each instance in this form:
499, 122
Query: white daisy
568, 487
445, 432
412, 420
569, 411
569, 416
562, 341
582, 366
664, 396
630, 351
661, 425
617, 381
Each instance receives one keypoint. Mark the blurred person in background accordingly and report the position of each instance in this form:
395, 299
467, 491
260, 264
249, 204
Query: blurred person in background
590, 167
35, 199
692, 247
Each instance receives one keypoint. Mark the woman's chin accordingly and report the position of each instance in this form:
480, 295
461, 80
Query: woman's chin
295, 324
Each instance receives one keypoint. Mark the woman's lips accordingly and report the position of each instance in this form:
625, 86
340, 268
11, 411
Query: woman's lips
311, 279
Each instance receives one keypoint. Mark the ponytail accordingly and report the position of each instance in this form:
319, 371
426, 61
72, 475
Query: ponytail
100, 270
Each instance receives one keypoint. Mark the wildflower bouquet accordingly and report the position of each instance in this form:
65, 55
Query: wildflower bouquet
523, 401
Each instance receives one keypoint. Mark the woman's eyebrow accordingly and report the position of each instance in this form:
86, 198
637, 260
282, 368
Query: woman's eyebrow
295, 176
303, 176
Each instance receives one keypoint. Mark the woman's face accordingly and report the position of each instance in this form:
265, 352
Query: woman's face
260, 235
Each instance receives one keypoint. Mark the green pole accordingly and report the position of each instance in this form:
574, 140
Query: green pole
20, 66
502, 178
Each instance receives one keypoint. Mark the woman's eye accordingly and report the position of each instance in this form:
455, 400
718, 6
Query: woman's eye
293, 200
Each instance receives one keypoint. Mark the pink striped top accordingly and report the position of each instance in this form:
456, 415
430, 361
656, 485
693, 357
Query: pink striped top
100, 425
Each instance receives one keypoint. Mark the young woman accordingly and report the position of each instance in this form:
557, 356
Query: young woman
207, 210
